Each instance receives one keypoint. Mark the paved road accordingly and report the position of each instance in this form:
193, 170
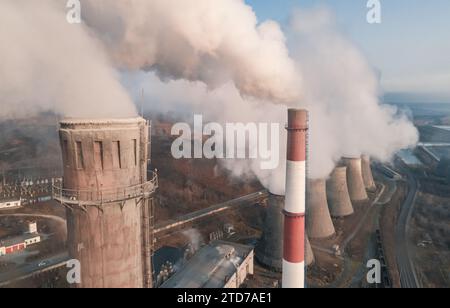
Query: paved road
58, 219
33, 268
408, 276
245, 200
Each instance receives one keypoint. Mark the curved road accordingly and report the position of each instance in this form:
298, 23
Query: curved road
57, 219
408, 276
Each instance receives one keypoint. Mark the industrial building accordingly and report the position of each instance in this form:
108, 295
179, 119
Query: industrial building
218, 265
107, 191
10, 204
18, 243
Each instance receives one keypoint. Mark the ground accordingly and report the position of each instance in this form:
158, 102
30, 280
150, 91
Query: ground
431, 236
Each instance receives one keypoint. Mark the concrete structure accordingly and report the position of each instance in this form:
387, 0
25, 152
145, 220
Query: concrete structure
294, 210
269, 250
107, 191
355, 181
309, 254
10, 204
218, 265
318, 219
337, 192
369, 183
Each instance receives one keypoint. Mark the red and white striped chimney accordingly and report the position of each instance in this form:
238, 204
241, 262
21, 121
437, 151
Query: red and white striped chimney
294, 210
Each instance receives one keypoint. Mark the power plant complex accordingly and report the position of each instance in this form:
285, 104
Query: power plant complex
108, 191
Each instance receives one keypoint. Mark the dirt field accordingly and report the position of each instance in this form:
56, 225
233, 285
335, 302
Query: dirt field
431, 234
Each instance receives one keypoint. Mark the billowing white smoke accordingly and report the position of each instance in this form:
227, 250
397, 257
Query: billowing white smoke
202, 40
239, 67
48, 64
342, 93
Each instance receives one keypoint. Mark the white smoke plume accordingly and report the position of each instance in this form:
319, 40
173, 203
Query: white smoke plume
340, 90
212, 56
48, 64
202, 40
342, 93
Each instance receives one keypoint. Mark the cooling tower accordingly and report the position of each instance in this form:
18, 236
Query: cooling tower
339, 200
318, 219
356, 187
294, 209
108, 200
367, 173
309, 254
269, 250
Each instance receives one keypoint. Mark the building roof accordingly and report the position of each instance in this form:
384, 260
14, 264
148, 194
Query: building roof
14, 240
10, 200
211, 267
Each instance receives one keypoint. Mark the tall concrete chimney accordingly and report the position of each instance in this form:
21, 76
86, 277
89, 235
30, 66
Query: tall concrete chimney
269, 250
356, 187
108, 199
337, 191
367, 173
294, 210
318, 219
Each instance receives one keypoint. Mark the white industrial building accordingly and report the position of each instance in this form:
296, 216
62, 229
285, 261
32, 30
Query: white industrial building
218, 265
18, 243
8, 204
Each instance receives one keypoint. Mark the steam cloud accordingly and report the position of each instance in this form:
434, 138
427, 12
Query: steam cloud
342, 93
48, 64
208, 41
212, 56
339, 89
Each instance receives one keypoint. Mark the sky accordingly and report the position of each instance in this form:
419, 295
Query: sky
411, 46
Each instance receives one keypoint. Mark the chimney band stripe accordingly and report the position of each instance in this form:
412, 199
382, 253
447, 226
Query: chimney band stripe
294, 239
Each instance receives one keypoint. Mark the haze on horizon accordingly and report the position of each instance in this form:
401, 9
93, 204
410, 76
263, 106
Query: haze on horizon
409, 48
